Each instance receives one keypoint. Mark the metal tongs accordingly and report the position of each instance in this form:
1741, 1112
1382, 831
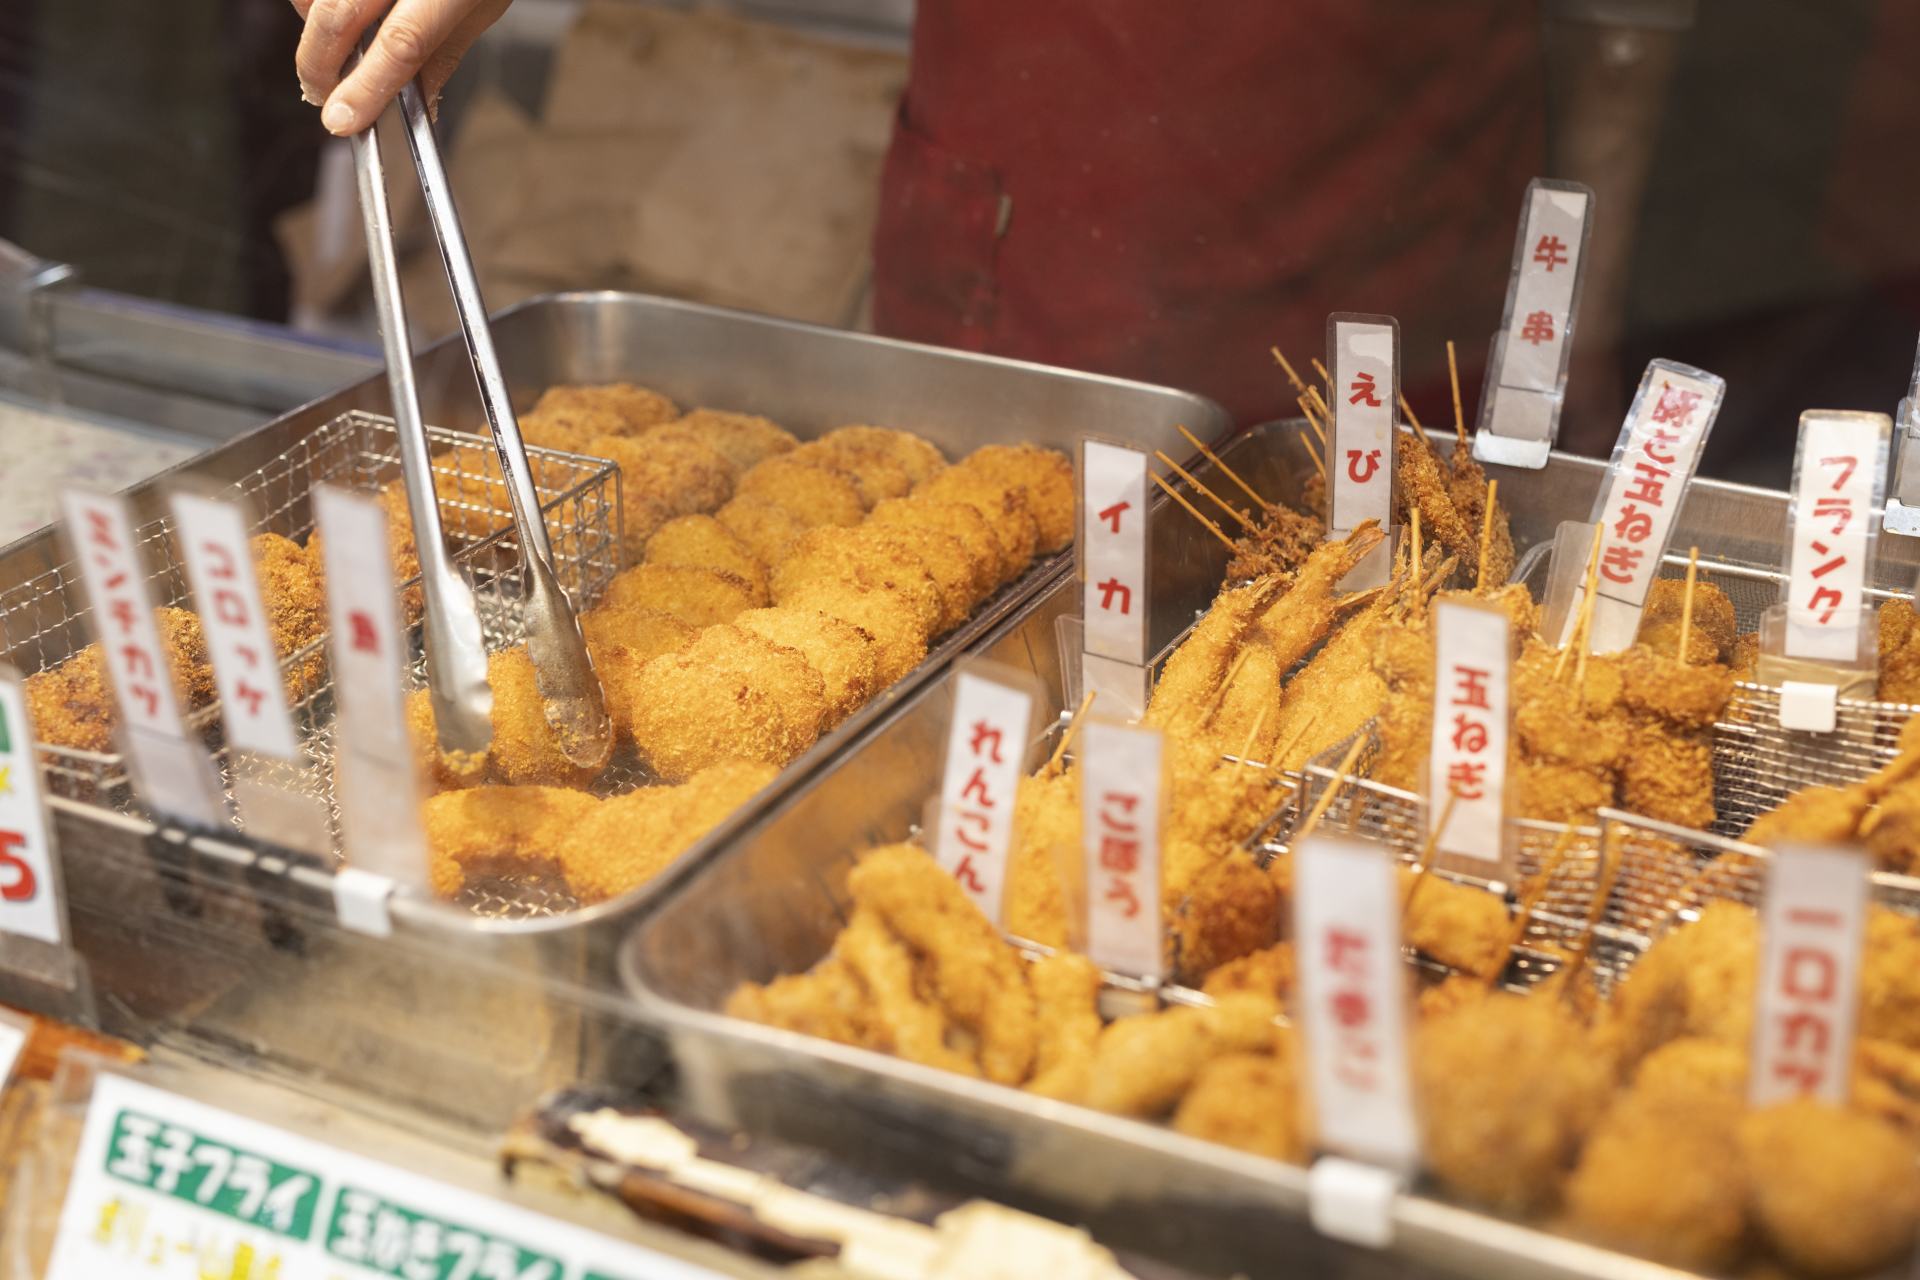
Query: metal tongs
570, 693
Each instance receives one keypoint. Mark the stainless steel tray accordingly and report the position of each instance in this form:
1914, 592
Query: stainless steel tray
461, 1014
772, 902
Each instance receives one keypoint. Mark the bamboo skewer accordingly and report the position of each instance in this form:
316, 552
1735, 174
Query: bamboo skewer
1530, 901
1311, 412
1322, 371
1486, 536
1342, 775
1424, 867
1233, 511
1318, 465
1225, 470
1194, 511
1593, 580
1066, 739
1407, 411
1453, 376
1313, 394
1686, 603
1252, 734
1219, 695
1280, 753
1301, 389
1603, 889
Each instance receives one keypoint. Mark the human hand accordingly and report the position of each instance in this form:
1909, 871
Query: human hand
426, 38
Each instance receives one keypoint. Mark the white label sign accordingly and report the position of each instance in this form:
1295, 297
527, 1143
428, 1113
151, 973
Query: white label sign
1364, 355
173, 774
1467, 766
29, 896
1113, 550
172, 1189
1838, 484
1121, 785
379, 797
1353, 1000
246, 667
1658, 449
14, 1031
1813, 928
986, 752
1527, 381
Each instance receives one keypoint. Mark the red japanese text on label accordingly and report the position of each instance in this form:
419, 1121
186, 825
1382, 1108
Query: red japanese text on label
986, 749
246, 667
1113, 550
1120, 797
1524, 396
1835, 507
1807, 1001
1363, 355
1467, 762
27, 900
1352, 1006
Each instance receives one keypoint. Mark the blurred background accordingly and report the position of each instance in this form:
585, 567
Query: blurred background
1751, 159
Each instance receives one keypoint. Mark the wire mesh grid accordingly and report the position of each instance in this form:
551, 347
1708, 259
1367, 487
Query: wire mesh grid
45, 621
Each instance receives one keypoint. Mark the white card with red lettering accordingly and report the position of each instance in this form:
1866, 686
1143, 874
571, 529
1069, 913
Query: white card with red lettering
1122, 784
29, 892
1527, 375
253, 703
171, 771
1363, 356
1658, 449
986, 754
1113, 550
1351, 1003
1467, 764
379, 794
1839, 482
1806, 1003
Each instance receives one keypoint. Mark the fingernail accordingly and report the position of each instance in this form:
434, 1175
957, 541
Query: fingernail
338, 117
307, 95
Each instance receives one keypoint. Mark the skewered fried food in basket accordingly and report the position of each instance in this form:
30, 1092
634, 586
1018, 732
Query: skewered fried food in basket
72, 705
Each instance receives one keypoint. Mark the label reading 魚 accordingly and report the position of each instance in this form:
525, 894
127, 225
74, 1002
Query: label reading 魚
1658, 449
29, 897
1526, 379
1363, 353
986, 754
1353, 1000
1121, 787
1839, 475
1813, 927
1467, 765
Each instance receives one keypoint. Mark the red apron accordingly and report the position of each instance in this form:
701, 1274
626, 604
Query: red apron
1162, 190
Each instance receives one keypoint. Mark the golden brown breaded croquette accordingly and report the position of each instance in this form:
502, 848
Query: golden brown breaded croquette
702, 542
72, 705
630, 839
918, 457
698, 597
1046, 475
1508, 1086
438, 771
1249, 1101
746, 439
816, 493
899, 635
1230, 909
1890, 978
186, 648
728, 695
1004, 508
860, 558
633, 408
957, 520
487, 831
1713, 617
944, 560
1462, 927
524, 751
471, 490
1661, 1176
1833, 1191
1144, 1064
1267, 972
1695, 980
663, 476
842, 653
1694, 1065
877, 476
766, 529
1899, 652
645, 631
296, 607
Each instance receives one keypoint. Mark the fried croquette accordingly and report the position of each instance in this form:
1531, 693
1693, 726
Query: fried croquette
918, 457
899, 636
842, 653
876, 476
815, 493
496, 830
645, 631
1696, 980
957, 520
632, 838
664, 475
764, 528
72, 705
1248, 1101
1003, 507
1508, 1087
702, 542
1229, 910
945, 561
296, 607
1834, 1192
729, 695
1462, 927
471, 489
632, 409
698, 597
440, 771
1267, 972
1046, 476
524, 751
1144, 1064
972, 970
746, 439
1899, 653
861, 558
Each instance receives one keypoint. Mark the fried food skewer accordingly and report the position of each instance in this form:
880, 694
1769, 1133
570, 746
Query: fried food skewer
1609, 871
1314, 456
1194, 511
1530, 901
1300, 388
1424, 867
1225, 470
1233, 511
1322, 371
1407, 410
1342, 775
1253, 736
1592, 585
1686, 603
1052, 767
1486, 520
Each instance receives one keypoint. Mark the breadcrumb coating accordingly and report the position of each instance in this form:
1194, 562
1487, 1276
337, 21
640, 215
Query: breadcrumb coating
498, 830
860, 558
746, 439
842, 653
899, 634
698, 597
815, 493
728, 695
702, 542
765, 528
957, 520
1044, 475
920, 458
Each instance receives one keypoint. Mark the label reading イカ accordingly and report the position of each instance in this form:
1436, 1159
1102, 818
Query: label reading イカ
1363, 353
1467, 765
1113, 550
1839, 482
986, 754
1121, 796
1807, 1001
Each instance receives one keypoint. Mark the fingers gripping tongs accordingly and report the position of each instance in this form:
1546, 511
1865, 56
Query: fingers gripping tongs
456, 651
